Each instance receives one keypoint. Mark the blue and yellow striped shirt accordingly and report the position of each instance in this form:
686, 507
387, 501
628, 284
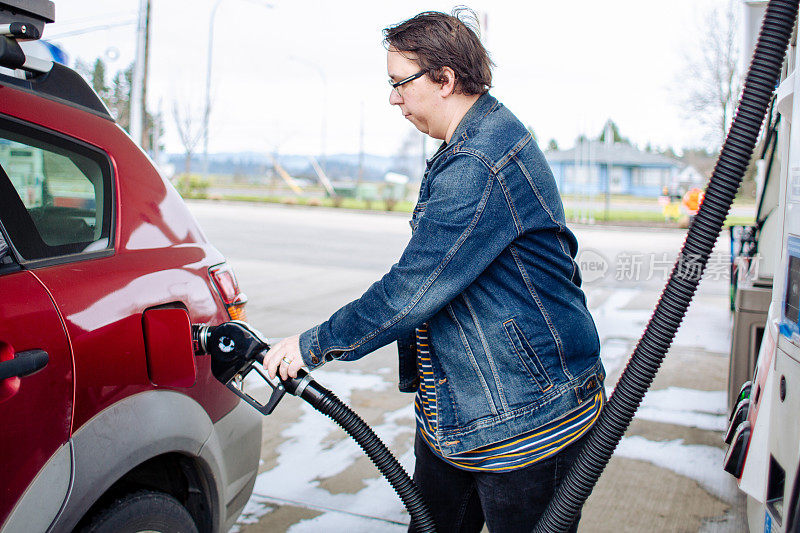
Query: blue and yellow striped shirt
510, 454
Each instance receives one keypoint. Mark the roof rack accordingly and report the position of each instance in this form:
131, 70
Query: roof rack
25, 19
22, 20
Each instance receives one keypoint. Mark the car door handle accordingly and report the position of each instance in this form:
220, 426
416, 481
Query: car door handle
24, 364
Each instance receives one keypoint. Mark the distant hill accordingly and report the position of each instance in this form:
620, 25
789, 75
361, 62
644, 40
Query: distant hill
337, 166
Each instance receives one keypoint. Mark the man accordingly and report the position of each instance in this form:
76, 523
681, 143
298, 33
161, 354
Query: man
485, 301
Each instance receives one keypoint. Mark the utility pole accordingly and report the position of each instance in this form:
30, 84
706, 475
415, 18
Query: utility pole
609, 142
361, 147
146, 138
140, 73
156, 128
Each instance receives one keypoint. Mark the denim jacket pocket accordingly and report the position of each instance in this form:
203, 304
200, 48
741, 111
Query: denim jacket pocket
526, 355
419, 209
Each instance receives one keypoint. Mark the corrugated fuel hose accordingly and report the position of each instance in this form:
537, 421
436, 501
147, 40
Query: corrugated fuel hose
762, 77
328, 404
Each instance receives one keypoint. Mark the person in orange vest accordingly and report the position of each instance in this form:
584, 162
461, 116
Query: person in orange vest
692, 200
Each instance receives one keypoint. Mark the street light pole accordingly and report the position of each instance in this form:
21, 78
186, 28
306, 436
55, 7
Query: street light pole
209, 58
139, 75
324, 127
207, 109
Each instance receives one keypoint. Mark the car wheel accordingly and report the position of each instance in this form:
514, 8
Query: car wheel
142, 511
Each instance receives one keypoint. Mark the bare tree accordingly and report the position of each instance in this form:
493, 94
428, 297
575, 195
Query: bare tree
189, 131
407, 159
710, 88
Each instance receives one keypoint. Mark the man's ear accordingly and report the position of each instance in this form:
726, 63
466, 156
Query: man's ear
449, 86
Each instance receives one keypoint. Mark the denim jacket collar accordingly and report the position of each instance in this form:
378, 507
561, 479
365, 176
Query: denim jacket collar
482, 106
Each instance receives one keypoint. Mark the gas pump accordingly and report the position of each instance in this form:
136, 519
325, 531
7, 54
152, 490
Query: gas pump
764, 432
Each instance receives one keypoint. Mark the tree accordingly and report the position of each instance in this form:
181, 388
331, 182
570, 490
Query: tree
699, 158
99, 78
552, 145
117, 99
83, 69
712, 82
189, 132
616, 135
153, 132
407, 160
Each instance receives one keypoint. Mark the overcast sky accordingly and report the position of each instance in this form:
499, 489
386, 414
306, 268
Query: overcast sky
564, 68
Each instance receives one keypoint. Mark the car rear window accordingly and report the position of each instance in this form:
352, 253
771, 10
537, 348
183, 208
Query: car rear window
55, 193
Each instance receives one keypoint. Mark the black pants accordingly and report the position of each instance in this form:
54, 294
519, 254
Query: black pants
508, 502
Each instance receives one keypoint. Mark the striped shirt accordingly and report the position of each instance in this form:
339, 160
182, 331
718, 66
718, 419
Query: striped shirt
509, 454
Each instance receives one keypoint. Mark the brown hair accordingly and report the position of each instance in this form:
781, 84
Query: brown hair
440, 40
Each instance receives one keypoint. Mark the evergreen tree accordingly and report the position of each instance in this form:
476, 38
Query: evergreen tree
98, 79
117, 99
617, 136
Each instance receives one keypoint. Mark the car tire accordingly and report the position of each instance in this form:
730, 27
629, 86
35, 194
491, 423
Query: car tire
143, 510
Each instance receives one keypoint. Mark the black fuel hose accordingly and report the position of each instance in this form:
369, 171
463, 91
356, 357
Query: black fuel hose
641, 369
234, 346
328, 404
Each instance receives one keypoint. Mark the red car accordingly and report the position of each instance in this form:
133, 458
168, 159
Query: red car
108, 421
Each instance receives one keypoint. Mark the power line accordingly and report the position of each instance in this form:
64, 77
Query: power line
91, 29
95, 18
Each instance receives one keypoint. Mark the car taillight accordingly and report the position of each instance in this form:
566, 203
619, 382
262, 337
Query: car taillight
228, 287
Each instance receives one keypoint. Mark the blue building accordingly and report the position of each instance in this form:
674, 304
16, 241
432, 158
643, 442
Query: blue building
594, 167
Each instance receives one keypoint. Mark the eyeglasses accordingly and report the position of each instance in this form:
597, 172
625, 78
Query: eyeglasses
396, 85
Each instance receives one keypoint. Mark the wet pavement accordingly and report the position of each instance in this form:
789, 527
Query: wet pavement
298, 265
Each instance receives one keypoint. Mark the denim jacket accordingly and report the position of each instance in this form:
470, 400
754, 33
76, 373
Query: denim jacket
490, 267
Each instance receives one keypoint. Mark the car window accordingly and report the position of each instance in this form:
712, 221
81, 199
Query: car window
55, 194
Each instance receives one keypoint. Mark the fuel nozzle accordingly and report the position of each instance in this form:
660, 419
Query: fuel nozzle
234, 347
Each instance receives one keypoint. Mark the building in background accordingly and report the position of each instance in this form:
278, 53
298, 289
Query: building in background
597, 167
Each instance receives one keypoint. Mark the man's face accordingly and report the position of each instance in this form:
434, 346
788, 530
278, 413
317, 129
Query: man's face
419, 100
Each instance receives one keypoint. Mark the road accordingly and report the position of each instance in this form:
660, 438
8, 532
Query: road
298, 265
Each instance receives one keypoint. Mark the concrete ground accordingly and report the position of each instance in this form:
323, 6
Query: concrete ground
298, 265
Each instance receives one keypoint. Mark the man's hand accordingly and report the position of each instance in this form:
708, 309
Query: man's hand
284, 357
